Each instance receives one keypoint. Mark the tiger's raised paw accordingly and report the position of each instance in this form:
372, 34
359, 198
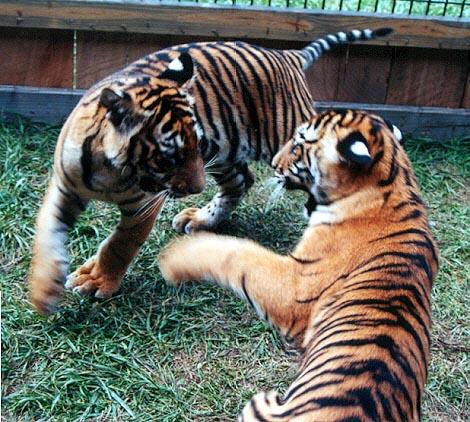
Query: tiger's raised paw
191, 220
90, 280
183, 259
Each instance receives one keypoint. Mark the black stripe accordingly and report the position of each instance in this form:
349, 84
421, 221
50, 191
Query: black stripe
258, 415
366, 401
239, 88
269, 90
227, 117
202, 94
304, 261
247, 296
73, 197
65, 216
249, 99
394, 168
411, 216
87, 160
384, 403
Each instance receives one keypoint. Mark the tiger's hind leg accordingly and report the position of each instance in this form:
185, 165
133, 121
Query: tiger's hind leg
101, 275
49, 265
234, 182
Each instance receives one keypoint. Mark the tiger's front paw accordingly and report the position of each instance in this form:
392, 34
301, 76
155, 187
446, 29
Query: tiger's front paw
175, 261
191, 220
90, 279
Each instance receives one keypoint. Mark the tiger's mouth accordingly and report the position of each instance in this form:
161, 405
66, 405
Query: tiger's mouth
290, 184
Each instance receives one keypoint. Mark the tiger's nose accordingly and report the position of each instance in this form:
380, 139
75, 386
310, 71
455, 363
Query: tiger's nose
184, 188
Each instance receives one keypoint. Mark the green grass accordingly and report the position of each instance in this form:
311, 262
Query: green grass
155, 353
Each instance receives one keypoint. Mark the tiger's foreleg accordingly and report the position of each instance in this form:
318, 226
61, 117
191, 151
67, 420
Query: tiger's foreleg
264, 279
49, 266
267, 281
234, 182
101, 275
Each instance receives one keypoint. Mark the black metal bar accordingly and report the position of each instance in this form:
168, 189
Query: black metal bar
461, 10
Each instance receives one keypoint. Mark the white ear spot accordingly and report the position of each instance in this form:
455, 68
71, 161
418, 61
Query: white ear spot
176, 65
359, 148
397, 133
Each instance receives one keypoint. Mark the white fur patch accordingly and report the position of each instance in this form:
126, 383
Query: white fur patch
325, 45
368, 33
359, 148
356, 33
342, 36
322, 215
176, 65
308, 132
397, 133
330, 151
305, 213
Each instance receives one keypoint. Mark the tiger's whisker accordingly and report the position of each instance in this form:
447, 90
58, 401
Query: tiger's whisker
277, 187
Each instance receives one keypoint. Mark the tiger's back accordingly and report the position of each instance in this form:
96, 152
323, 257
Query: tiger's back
248, 99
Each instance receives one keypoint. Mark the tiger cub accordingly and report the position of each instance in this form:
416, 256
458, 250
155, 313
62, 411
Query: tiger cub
131, 140
135, 131
354, 295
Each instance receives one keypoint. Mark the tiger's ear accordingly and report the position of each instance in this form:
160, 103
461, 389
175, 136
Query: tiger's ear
354, 149
394, 130
120, 108
180, 70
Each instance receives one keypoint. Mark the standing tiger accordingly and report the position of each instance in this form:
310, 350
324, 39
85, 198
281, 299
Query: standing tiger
354, 295
132, 131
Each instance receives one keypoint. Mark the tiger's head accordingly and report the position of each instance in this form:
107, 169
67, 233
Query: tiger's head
335, 154
154, 117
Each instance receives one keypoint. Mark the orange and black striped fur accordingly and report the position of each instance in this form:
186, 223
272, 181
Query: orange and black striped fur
247, 100
131, 140
354, 295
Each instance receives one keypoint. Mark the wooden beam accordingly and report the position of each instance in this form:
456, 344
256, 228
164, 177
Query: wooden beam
53, 106
145, 16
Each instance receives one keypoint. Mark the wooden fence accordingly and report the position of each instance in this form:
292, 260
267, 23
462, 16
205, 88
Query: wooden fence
420, 74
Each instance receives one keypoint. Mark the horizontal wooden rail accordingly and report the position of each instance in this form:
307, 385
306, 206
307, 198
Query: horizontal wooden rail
53, 105
229, 21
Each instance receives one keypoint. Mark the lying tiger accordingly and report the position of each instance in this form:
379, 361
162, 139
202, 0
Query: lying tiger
143, 133
354, 295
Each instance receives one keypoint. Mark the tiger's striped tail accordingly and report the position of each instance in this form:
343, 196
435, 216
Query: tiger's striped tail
312, 52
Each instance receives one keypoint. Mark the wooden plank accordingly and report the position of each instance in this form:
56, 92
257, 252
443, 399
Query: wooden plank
431, 77
146, 16
466, 94
364, 75
36, 57
48, 105
53, 106
102, 53
323, 76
